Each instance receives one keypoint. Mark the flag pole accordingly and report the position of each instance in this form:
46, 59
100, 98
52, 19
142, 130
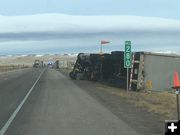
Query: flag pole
177, 104
103, 42
101, 48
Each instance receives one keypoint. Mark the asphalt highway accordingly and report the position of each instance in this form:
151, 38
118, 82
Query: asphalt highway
45, 102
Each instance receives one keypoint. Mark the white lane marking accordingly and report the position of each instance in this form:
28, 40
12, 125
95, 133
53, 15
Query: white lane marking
5, 127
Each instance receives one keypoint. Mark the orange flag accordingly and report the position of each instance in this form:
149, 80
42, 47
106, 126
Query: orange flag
104, 42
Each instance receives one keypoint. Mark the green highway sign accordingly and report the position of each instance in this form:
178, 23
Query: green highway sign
127, 55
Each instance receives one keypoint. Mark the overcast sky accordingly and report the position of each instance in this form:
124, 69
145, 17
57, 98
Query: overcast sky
47, 32
158, 8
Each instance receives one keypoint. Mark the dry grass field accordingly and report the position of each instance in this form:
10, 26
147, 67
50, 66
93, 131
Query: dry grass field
162, 103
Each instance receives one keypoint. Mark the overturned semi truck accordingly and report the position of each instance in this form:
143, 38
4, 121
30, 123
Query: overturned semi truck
105, 67
149, 71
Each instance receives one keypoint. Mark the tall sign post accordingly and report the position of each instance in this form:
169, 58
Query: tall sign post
177, 100
127, 60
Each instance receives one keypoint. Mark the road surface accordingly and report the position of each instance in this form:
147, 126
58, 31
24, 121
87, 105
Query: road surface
45, 102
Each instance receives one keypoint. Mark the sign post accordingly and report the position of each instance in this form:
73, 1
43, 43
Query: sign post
127, 60
177, 100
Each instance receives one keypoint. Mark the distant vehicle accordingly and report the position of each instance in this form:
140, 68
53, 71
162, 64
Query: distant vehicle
56, 64
38, 64
50, 64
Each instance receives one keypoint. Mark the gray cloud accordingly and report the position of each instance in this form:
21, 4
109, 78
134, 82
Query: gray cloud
63, 33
